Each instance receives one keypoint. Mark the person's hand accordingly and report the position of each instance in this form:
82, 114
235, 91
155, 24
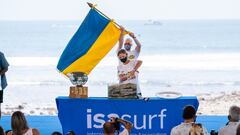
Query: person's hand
133, 77
132, 35
132, 74
113, 119
122, 28
123, 77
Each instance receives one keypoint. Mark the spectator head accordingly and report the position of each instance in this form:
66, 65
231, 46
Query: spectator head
238, 130
18, 123
234, 113
108, 128
71, 133
189, 112
2, 131
7, 131
56, 133
196, 129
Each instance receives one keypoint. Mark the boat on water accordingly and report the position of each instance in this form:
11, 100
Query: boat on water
153, 22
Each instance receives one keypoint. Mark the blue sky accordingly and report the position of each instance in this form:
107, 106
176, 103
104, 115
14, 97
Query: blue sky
120, 9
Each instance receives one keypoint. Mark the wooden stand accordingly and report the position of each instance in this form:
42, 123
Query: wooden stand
78, 92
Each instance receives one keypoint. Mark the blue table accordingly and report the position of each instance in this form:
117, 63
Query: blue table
87, 116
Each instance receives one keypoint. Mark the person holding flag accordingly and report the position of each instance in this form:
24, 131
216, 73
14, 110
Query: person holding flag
132, 54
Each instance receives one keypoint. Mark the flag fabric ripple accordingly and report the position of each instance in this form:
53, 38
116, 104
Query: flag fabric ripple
95, 37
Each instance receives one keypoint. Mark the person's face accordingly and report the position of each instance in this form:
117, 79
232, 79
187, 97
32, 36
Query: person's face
122, 55
128, 41
128, 44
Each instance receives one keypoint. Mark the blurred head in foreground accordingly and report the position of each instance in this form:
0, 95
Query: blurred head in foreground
238, 130
196, 129
71, 133
1, 131
18, 123
108, 128
234, 114
189, 127
189, 113
56, 133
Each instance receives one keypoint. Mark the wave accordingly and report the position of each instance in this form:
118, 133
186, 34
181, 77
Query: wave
38, 83
142, 82
32, 61
64, 26
161, 62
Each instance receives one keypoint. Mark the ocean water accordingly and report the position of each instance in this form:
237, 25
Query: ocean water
190, 57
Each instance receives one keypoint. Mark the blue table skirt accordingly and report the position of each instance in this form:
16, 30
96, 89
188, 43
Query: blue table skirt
87, 116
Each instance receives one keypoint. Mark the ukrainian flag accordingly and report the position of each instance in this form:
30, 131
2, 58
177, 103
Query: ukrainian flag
93, 40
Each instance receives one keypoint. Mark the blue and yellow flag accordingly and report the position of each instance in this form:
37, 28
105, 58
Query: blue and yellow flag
93, 40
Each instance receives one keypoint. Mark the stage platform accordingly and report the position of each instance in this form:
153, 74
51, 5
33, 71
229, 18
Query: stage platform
48, 124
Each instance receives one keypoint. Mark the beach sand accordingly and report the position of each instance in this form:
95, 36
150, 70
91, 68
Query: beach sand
218, 104
209, 104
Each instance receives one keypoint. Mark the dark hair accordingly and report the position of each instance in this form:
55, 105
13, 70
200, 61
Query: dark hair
196, 129
189, 112
18, 123
234, 112
7, 131
56, 133
1, 131
71, 133
238, 130
121, 51
108, 128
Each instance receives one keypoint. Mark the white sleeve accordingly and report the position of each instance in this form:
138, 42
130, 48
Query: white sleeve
136, 54
221, 132
124, 132
205, 131
134, 63
173, 132
117, 51
118, 70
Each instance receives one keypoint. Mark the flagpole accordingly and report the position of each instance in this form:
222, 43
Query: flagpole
93, 6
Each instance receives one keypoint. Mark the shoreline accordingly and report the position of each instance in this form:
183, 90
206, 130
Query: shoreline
209, 104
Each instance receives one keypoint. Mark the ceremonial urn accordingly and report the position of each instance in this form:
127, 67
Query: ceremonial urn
78, 79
